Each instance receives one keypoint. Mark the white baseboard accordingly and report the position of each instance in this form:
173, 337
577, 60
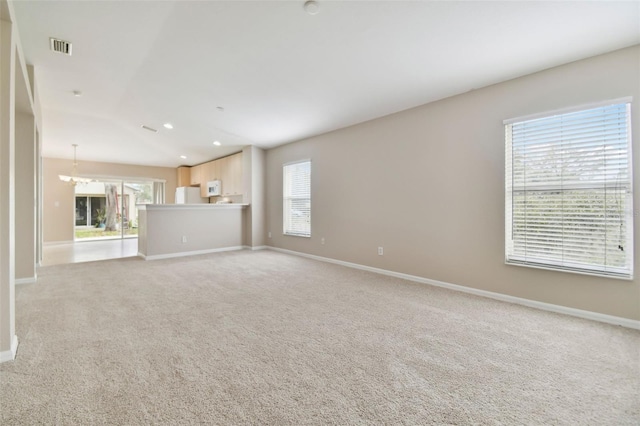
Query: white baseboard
595, 316
57, 243
188, 253
29, 280
256, 247
10, 355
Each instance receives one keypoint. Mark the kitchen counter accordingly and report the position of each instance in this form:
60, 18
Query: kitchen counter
189, 206
172, 230
205, 206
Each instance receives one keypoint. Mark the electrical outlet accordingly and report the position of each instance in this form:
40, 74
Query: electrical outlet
184, 239
269, 234
322, 240
380, 251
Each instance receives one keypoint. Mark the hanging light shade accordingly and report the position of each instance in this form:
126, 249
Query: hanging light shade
73, 180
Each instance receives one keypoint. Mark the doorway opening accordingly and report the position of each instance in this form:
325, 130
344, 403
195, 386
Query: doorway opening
106, 209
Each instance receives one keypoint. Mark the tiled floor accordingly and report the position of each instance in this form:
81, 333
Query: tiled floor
86, 251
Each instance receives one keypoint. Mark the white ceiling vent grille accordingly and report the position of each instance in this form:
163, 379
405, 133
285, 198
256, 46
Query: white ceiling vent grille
60, 46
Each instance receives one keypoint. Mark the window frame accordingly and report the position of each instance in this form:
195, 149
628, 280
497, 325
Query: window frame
285, 198
561, 265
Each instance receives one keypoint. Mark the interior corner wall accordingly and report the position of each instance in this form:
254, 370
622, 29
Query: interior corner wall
247, 229
25, 197
38, 146
253, 172
39, 240
259, 198
58, 204
7, 190
427, 184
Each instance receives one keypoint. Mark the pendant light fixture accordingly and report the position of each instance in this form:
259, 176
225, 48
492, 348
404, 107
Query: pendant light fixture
73, 180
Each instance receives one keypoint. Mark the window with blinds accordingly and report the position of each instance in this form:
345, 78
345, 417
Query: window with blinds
297, 198
569, 191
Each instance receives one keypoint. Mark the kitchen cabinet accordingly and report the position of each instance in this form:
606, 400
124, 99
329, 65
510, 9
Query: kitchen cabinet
227, 169
184, 176
204, 178
214, 170
224, 174
195, 175
208, 172
231, 172
203, 181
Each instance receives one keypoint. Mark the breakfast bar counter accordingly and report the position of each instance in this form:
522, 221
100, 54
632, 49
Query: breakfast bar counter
172, 230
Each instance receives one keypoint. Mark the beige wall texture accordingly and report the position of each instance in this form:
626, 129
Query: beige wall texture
427, 184
18, 148
204, 228
58, 205
254, 194
25, 197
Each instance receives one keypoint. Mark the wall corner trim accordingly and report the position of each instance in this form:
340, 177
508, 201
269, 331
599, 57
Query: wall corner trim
28, 280
594, 316
10, 355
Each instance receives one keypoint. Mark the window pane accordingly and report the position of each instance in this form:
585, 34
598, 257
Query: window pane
568, 191
299, 218
81, 211
297, 199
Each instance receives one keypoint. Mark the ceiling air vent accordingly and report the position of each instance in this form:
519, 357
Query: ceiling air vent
60, 46
149, 128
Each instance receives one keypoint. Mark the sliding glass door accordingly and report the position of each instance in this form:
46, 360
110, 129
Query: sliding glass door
86, 210
133, 193
106, 209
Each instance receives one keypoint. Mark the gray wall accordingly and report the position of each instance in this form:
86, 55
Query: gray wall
255, 189
205, 227
427, 184
25, 197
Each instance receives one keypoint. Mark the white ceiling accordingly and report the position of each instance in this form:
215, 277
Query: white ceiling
281, 74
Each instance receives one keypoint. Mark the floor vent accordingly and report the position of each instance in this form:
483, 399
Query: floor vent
60, 46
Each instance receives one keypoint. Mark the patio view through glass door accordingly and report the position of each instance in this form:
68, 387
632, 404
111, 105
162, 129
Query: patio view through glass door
106, 209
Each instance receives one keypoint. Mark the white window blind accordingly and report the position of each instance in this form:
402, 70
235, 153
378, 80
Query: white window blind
297, 199
569, 192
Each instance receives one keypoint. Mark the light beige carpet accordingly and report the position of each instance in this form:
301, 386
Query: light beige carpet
267, 338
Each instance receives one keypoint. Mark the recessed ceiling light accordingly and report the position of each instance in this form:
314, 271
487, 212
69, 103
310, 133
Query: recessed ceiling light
184, 157
77, 93
217, 143
312, 7
168, 125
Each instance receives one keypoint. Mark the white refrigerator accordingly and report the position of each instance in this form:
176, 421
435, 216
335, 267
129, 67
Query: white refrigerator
189, 195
